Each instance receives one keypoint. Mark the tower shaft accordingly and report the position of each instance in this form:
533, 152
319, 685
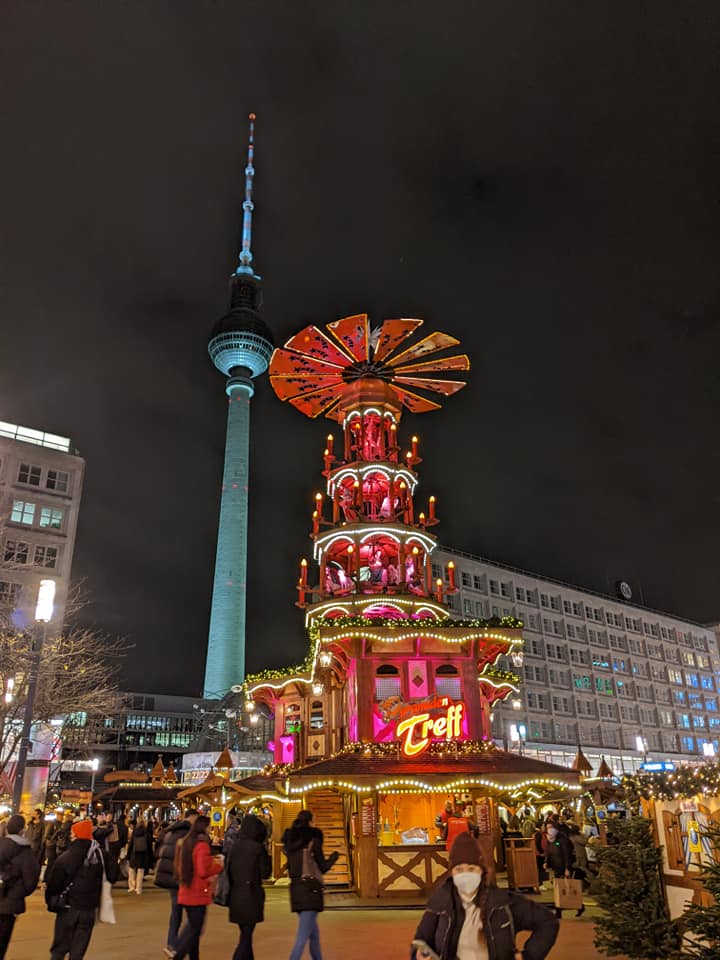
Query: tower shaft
225, 665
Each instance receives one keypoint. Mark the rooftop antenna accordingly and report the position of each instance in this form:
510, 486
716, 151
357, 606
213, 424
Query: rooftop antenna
246, 253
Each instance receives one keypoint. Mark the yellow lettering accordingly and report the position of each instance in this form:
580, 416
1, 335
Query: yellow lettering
409, 747
423, 726
440, 727
458, 720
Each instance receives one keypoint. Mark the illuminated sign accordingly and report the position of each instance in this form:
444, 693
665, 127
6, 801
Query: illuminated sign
656, 766
418, 730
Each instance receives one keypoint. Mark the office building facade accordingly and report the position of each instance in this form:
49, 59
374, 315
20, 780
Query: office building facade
626, 682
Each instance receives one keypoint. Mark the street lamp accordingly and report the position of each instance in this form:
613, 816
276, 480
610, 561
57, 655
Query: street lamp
43, 613
94, 764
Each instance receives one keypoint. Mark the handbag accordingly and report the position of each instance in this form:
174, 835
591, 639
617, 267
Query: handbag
57, 902
221, 897
107, 908
568, 893
310, 868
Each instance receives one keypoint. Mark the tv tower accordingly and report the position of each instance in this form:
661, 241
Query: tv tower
240, 347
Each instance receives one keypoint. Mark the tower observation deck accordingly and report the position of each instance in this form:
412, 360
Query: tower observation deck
240, 347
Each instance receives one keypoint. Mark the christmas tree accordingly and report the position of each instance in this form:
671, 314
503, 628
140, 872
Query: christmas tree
635, 922
702, 924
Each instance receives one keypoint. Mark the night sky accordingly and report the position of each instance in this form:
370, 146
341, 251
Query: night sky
537, 178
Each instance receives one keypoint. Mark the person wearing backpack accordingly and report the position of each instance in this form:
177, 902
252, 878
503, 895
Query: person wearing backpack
139, 856
306, 864
19, 875
73, 887
248, 864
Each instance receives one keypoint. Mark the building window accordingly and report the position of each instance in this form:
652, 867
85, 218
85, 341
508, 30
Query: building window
534, 673
545, 601
506, 590
16, 551
447, 682
466, 579
29, 473
674, 676
688, 658
58, 480
467, 606
9, 592
687, 744
555, 651
698, 722
494, 588
479, 583
561, 705
691, 679
387, 682
46, 557
23, 512
579, 656
581, 682
602, 685
317, 719
707, 683
51, 517
711, 704
558, 678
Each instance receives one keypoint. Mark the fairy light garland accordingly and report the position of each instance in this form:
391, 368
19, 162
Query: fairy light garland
683, 783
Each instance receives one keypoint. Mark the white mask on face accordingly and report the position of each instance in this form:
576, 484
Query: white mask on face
467, 883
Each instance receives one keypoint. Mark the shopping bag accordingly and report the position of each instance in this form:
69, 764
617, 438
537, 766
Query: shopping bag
221, 896
568, 893
310, 868
107, 908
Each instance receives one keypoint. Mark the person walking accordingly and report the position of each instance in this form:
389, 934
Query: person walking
78, 874
559, 855
306, 864
20, 872
247, 866
165, 874
468, 917
195, 868
139, 856
35, 834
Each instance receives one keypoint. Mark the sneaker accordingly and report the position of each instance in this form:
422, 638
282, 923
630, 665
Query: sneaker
169, 952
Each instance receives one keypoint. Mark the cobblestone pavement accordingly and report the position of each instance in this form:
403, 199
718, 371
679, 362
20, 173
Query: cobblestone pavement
345, 934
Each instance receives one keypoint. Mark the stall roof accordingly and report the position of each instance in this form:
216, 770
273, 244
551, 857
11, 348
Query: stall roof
144, 793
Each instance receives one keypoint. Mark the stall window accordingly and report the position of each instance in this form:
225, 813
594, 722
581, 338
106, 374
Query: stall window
387, 682
317, 718
447, 682
292, 718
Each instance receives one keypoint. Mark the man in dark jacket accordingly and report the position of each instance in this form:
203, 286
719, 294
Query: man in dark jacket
79, 871
165, 873
20, 872
306, 890
247, 866
35, 834
558, 853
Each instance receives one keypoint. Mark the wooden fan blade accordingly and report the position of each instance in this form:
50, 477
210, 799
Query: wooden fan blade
413, 402
313, 342
288, 387
354, 335
392, 334
313, 404
288, 363
431, 343
446, 387
459, 362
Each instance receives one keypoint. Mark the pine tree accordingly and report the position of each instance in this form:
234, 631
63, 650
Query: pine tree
636, 921
702, 924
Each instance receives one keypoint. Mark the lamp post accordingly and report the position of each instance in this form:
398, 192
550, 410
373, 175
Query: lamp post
43, 613
94, 764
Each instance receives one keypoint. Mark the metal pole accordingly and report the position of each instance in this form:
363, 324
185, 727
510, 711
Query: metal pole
38, 643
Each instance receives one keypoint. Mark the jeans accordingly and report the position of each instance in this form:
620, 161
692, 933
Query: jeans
73, 929
188, 944
307, 930
175, 920
244, 950
7, 922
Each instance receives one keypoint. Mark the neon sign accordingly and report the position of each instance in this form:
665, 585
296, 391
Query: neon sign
418, 730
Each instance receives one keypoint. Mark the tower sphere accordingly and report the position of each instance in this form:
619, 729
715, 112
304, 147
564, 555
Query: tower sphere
242, 339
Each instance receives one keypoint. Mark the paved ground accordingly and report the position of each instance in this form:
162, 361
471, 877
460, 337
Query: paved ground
347, 934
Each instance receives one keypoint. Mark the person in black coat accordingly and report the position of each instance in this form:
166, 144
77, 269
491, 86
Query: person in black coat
468, 912
559, 854
165, 873
306, 889
247, 866
140, 856
79, 871
20, 872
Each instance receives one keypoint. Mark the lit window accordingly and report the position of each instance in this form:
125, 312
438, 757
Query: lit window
387, 682
29, 473
51, 517
23, 512
692, 680
707, 683
58, 480
46, 557
447, 682
16, 551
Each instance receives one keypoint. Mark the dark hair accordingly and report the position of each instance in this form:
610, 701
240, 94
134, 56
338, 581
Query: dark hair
303, 819
197, 834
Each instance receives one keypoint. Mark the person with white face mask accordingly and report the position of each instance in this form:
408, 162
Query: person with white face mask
469, 918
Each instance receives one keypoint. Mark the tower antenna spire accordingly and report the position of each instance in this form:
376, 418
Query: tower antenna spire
246, 253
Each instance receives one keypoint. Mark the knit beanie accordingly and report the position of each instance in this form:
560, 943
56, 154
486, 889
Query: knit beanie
465, 850
82, 830
16, 824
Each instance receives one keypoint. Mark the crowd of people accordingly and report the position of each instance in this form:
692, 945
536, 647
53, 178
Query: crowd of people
82, 858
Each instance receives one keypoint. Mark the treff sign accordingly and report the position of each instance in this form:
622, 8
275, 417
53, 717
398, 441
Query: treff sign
417, 731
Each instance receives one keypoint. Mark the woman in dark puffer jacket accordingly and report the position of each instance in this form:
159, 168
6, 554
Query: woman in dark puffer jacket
248, 865
20, 872
306, 892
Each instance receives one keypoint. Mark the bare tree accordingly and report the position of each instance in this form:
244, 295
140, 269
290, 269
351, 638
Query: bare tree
77, 674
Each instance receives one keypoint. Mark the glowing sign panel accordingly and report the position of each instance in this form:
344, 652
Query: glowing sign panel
418, 730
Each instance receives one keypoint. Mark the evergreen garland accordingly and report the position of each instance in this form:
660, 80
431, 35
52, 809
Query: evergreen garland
702, 924
635, 921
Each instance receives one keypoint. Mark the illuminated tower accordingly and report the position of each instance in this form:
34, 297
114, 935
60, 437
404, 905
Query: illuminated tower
240, 347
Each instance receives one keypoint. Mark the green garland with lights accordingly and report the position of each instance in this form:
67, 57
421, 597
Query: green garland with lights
371, 623
368, 748
682, 783
496, 673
